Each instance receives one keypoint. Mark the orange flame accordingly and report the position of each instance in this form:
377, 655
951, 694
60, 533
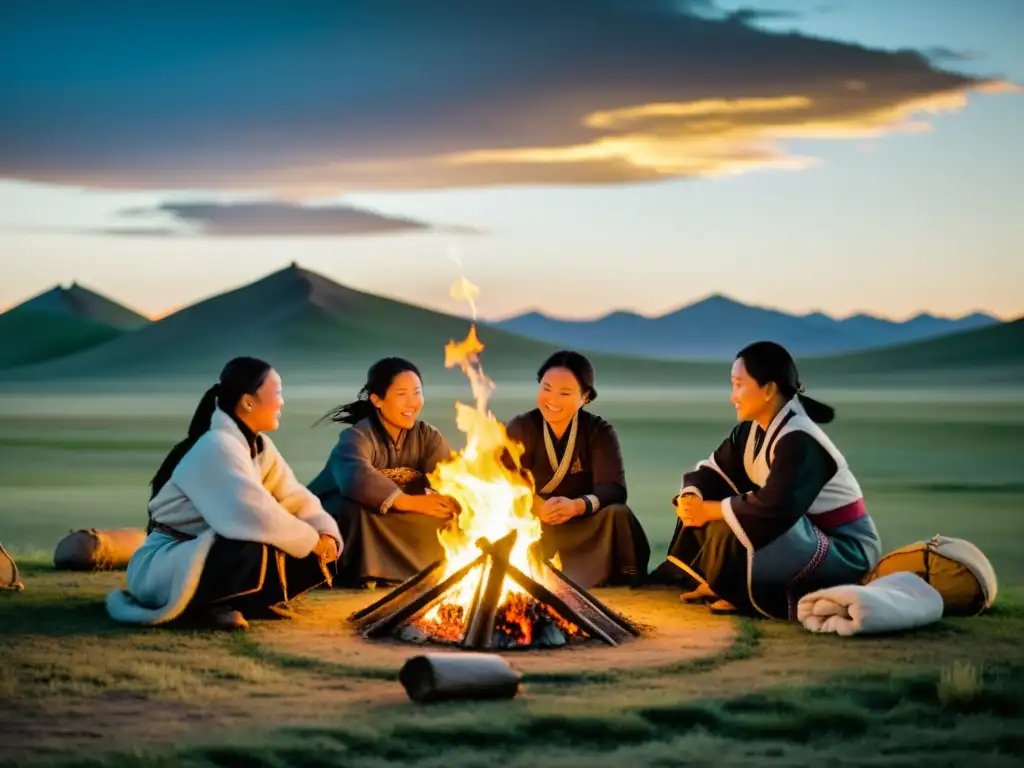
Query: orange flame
494, 497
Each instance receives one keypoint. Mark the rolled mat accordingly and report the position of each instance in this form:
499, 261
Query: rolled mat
95, 550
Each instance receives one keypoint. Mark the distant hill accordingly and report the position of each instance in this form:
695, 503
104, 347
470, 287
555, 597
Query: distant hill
79, 301
717, 327
319, 331
993, 351
60, 322
301, 321
29, 336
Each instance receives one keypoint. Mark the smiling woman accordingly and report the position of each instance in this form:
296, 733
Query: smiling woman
775, 512
232, 534
374, 482
576, 464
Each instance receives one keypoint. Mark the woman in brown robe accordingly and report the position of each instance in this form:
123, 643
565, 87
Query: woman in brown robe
374, 482
580, 480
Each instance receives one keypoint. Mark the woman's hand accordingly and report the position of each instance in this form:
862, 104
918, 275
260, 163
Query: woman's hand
432, 504
695, 512
559, 509
326, 548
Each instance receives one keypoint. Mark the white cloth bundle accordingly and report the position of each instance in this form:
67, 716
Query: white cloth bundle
896, 602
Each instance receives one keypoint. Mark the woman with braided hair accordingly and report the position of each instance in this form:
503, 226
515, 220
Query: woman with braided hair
232, 532
774, 512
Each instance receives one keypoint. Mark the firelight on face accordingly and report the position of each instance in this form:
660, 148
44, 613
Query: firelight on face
559, 395
403, 401
750, 399
265, 413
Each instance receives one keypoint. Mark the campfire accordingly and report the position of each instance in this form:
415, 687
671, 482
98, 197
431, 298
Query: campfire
492, 589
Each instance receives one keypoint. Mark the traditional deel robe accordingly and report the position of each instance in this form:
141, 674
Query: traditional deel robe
606, 545
365, 472
232, 525
794, 517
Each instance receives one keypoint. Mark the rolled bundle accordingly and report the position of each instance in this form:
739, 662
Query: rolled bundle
449, 676
9, 576
95, 550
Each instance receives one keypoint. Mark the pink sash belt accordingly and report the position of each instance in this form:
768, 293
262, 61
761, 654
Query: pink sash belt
847, 513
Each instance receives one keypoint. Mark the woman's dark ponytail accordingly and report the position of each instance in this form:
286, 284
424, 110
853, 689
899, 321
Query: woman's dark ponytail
817, 411
199, 425
378, 381
350, 413
241, 376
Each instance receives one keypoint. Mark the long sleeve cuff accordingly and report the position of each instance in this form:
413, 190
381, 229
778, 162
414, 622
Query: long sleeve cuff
389, 501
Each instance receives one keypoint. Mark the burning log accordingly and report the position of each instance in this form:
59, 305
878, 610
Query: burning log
422, 602
543, 615
448, 676
584, 602
480, 628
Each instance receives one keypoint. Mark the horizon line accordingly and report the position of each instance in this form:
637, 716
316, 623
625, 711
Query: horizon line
497, 319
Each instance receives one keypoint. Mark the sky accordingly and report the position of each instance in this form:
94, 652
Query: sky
573, 158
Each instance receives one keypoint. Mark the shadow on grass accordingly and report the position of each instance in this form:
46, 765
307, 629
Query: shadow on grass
918, 715
27, 613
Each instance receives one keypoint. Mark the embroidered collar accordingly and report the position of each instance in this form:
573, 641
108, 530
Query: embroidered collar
559, 468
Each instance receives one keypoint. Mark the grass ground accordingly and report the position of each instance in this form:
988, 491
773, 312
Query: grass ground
85, 691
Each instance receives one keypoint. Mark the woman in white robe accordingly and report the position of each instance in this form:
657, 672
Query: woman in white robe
232, 532
775, 512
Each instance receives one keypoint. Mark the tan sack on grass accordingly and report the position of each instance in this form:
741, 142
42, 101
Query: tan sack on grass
93, 550
9, 577
956, 568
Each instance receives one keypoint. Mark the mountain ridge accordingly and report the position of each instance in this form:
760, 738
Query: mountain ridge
80, 301
305, 323
717, 326
60, 321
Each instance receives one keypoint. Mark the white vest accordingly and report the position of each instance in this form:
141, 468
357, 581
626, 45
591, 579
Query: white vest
840, 490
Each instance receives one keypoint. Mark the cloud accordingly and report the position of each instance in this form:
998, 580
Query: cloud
942, 54
265, 219
325, 98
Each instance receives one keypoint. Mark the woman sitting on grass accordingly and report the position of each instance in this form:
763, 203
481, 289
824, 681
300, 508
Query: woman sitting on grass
775, 512
374, 481
576, 464
232, 533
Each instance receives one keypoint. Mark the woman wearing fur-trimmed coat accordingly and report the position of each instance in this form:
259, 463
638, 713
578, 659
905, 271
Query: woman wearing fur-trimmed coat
232, 533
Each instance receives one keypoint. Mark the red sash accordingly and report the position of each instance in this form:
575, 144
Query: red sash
834, 518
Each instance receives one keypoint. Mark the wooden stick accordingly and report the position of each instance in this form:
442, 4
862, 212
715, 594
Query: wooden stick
547, 597
422, 602
586, 596
480, 627
398, 591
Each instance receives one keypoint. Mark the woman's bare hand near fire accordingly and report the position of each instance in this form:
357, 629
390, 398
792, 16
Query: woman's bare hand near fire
559, 509
433, 504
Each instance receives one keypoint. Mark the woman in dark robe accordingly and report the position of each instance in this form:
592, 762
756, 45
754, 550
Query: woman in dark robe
579, 478
374, 482
775, 512
232, 533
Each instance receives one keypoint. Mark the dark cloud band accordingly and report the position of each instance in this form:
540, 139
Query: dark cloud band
318, 98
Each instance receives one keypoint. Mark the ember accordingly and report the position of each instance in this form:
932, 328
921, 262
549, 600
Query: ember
491, 590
